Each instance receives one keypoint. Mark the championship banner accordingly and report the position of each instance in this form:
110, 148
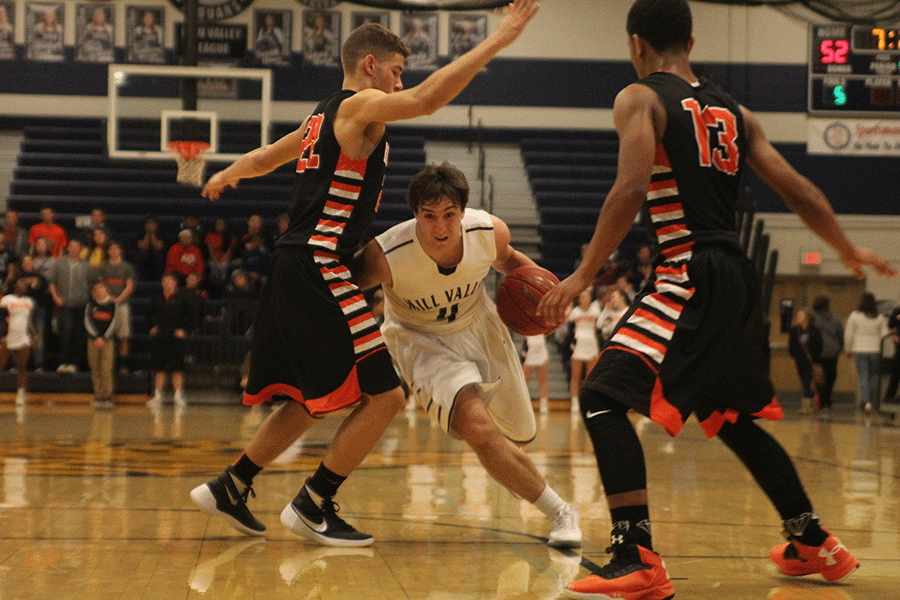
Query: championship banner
853, 137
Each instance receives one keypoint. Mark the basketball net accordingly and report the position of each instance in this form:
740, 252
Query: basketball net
191, 162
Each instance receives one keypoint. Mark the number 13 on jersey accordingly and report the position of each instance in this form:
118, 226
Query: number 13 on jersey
720, 152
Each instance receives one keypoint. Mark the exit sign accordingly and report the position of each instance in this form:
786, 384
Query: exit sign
812, 259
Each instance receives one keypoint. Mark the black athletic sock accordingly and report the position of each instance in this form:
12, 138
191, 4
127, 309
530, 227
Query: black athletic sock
325, 482
246, 469
636, 520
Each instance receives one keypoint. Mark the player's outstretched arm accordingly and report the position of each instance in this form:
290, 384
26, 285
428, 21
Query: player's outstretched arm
809, 203
255, 163
442, 86
636, 111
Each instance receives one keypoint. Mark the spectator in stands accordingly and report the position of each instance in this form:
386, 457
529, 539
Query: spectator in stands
865, 329
198, 232
119, 277
38, 290
7, 258
255, 228
184, 256
220, 245
19, 334
623, 284
192, 222
43, 259
198, 299
95, 252
70, 285
832, 332
100, 317
642, 277
536, 360
98, 221
615, 305
281, 226
894, 380
16, 237
255, 260
171, 318
805, 347
241, 302
586, 349
151, 251
643, 258
48, 228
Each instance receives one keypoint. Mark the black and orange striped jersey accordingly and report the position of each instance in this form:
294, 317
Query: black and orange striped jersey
697, 170
335, 197
694, 340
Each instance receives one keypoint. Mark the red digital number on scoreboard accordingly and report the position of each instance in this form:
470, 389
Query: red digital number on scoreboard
833, 52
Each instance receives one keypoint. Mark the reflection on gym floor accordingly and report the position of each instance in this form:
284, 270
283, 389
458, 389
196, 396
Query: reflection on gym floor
94, 505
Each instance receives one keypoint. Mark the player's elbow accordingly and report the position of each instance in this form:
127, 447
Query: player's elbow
263, 160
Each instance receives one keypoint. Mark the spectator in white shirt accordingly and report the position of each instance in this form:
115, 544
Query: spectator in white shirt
862, 340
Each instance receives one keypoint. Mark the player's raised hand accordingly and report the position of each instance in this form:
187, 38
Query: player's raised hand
215, 185
865, 257
517, 16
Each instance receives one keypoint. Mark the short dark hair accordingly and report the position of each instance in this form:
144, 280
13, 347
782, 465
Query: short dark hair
821, 303
374, 39
435, 182
664, 24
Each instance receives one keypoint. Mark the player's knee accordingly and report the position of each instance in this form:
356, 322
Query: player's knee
393, 400
478, 435
599, 409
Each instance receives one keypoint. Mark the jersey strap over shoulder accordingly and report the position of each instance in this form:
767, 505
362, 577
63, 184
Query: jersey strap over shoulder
335, 197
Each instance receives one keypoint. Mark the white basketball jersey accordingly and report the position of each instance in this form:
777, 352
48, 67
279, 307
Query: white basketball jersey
427, 297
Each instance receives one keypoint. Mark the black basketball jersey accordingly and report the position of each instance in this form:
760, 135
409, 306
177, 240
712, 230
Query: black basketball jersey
335, 197
697, 170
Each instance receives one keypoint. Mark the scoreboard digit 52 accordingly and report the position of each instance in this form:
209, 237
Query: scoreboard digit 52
854, 70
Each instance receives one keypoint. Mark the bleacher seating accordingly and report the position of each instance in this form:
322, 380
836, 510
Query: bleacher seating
64, 164
570, 175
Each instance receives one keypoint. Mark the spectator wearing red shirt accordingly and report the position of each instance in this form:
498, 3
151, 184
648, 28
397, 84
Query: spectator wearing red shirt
184, 256
47, 228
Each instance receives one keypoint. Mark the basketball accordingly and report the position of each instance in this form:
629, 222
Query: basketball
518, 296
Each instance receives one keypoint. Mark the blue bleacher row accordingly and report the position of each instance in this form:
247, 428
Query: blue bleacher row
570, 176
64, 164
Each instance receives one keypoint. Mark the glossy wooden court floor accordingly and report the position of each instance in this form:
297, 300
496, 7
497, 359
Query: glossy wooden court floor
94, 506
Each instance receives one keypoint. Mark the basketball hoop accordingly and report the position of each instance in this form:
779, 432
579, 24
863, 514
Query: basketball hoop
191, 162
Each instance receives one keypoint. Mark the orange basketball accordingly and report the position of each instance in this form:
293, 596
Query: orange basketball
518, 296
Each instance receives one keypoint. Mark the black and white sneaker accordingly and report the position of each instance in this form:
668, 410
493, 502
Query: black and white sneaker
226, 495
314, 517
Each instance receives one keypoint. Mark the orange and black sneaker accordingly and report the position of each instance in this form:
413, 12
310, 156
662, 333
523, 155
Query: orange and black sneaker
831, 559
634, 573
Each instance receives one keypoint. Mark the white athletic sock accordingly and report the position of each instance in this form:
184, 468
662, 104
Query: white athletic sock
549, 502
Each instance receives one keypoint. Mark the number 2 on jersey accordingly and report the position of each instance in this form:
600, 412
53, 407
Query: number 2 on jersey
308, 157
723, 153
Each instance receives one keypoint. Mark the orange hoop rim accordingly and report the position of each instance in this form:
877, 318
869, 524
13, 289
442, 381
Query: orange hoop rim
188, 150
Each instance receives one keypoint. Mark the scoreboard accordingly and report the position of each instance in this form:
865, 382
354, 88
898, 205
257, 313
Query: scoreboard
854, 70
